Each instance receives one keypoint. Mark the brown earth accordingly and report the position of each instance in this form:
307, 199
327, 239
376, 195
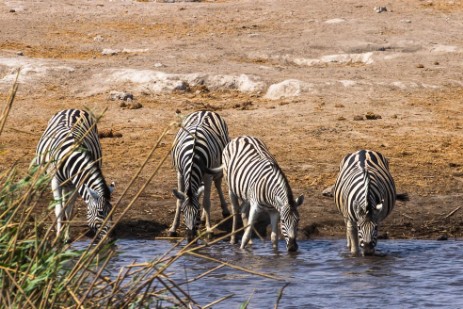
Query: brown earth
414, 83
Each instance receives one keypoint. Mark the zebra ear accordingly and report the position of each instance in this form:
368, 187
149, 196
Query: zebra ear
299, 200
180, 195
200, 190
93, 193
111, 187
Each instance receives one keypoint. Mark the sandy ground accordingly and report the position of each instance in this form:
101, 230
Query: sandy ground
300, 75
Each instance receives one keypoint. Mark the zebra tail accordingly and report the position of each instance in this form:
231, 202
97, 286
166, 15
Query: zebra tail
403, 197
215, 170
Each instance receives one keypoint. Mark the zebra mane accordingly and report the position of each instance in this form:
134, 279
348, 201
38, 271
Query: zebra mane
193, 132
369, 203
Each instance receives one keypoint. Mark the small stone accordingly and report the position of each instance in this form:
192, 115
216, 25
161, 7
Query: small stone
380, 9
341, 118
134, 105
12, 11
110, 52
443, 237
420, 66
120, 95
436, 63
19, 53
158, 65
358, 117
98, 38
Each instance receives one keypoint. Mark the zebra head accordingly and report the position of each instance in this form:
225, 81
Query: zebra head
289, 217
98, 209
190, 208
367, 226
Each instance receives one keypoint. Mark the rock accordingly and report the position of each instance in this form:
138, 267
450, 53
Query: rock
19, 53
372, 116
380, 9
286, 89
110, 52
358, 117
420, 66
120, 95
108, 134
328, 192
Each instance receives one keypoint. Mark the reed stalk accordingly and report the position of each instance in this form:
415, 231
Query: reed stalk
38, 270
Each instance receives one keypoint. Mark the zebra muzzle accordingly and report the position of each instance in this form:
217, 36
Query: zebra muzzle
367, 248
292, 245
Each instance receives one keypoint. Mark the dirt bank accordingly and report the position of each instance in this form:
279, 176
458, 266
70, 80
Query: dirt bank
301, 75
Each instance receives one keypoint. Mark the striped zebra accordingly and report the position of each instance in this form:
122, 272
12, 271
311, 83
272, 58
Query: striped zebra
197, 147
255, 179
365, 194
71, 151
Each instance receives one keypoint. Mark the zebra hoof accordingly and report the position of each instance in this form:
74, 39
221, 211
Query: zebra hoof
209, 235
172, 234
225, 214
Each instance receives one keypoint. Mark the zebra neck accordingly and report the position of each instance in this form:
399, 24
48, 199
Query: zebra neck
94, 181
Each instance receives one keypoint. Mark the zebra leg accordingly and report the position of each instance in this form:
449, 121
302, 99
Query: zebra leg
69, 198
274, 220
207, 203
352, 236
57, 195
248, 230
223, 202
235, 209
245, 206
175, 224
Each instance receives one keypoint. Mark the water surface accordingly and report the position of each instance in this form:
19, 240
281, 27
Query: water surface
406, 274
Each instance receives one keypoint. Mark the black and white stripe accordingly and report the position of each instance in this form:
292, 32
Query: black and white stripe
255, 179
198, 147
365, 194
71, 150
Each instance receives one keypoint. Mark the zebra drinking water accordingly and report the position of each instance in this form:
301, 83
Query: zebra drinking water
365, 194
71, 150
255, 179
197, 147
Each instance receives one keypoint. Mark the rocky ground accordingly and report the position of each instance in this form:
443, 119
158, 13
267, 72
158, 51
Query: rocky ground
314, 79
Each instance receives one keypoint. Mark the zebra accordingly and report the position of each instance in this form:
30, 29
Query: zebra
256, 180
71, 151
365, 195
197, 147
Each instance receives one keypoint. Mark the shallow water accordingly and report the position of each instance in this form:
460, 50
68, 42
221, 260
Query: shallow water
405, 274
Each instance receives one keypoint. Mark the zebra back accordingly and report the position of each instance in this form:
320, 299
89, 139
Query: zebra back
69, 126
249, 165
364, 179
